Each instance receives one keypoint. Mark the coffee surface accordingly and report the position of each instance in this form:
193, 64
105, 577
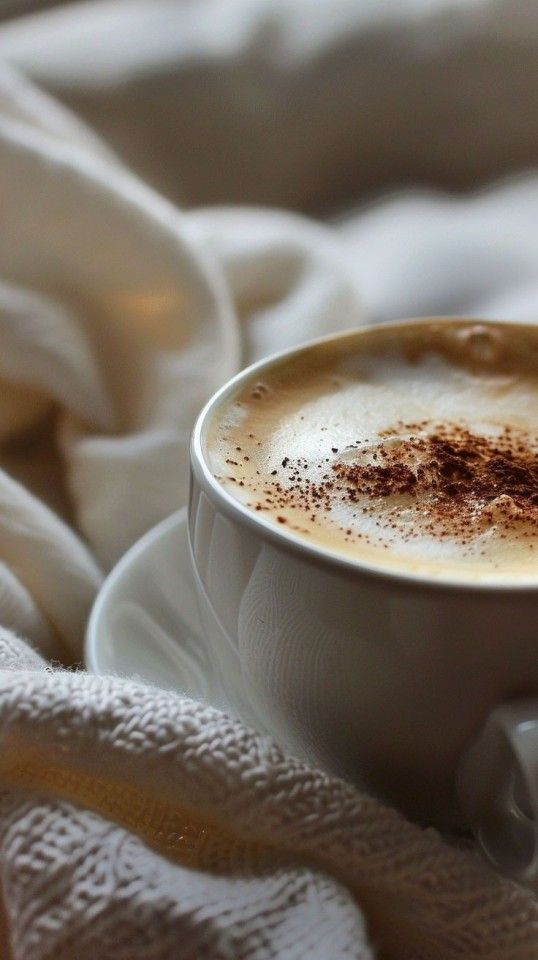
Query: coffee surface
409, 447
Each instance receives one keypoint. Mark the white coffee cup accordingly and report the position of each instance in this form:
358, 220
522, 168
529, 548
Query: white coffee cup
385, 678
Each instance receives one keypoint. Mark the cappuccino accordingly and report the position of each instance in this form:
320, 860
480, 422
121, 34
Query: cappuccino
413, 448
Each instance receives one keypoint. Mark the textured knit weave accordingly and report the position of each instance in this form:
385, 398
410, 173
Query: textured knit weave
242, 851
136, 824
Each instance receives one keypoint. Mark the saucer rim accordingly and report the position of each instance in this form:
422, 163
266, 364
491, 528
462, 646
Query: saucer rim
174, 521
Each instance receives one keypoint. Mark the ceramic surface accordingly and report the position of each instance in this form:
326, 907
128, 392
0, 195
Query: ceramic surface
145, 624
145, 621
381, 677
422, 691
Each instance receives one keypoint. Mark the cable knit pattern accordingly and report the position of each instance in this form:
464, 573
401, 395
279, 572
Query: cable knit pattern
136, 824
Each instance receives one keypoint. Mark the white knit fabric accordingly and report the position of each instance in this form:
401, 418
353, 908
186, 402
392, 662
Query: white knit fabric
272, 860
133, 823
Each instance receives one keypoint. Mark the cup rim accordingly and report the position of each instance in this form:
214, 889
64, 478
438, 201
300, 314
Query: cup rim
290, 542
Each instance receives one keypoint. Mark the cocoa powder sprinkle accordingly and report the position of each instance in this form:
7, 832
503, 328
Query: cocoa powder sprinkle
460, 477
457, 481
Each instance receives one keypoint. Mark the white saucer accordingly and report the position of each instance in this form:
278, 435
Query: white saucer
145, 624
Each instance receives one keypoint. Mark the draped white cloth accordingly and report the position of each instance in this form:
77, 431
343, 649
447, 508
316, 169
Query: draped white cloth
134, 823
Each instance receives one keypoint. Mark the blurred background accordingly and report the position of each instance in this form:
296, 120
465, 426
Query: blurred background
420, 115
306, 104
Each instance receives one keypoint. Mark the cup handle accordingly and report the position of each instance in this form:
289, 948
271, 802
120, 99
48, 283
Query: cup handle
497, 785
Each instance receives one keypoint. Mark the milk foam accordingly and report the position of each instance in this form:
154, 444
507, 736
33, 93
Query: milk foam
307, 445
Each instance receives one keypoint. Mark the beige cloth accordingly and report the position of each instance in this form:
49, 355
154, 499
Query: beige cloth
134, 823
299, 103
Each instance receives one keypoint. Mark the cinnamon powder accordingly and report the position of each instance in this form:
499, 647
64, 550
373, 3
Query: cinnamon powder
459, 477
458, 481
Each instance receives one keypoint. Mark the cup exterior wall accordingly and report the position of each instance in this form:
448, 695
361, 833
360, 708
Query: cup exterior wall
379, 680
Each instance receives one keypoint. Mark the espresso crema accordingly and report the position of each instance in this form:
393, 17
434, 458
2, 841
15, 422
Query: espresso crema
412, 447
